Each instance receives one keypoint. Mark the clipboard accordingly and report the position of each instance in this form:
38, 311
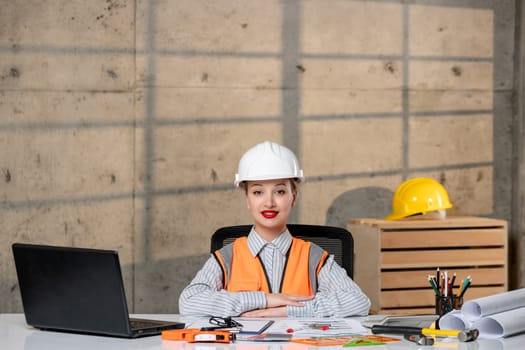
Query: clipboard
423, 321
254, 326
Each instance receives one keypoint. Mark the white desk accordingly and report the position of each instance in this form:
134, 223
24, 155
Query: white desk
16, 335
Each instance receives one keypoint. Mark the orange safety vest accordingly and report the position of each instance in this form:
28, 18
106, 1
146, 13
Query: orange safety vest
244, 272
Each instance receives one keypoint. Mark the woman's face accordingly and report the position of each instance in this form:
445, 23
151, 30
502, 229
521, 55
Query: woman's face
270, 203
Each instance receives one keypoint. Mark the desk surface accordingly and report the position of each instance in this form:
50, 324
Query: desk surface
16, 335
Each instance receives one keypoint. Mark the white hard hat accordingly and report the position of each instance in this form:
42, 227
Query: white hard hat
268, 161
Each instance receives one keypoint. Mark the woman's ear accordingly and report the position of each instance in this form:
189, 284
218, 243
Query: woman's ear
294, 200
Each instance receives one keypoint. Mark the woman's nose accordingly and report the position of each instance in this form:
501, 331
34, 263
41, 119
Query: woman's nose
269, 200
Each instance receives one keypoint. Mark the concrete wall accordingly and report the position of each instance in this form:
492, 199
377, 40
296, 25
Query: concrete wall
122, 122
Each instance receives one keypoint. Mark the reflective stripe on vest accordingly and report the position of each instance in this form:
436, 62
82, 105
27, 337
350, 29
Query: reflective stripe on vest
244, 272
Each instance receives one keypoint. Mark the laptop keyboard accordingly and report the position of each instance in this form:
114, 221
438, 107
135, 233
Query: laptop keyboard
141, 324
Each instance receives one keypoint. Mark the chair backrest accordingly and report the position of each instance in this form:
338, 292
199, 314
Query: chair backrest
335, 240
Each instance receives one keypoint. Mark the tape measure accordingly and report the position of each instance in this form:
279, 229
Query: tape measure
195, 335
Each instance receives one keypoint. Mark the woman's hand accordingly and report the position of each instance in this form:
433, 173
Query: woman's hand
270, 312
280, 299
276, 305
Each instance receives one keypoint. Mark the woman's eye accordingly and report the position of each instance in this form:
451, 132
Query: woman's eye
257, 193
281, 192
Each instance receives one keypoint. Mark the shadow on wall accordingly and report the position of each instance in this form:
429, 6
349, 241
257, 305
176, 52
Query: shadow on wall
158, 283
365, 202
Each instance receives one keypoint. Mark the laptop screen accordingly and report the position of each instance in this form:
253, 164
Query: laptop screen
72, 289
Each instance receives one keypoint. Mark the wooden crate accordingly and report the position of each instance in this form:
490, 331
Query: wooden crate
394, 258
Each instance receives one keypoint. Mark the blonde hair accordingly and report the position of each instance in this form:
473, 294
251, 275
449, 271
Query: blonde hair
294, 182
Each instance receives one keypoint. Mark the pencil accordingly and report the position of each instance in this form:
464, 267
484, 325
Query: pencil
460, 288
464, 289
432, 283
445, 284
452, 281
466, 281
438, 277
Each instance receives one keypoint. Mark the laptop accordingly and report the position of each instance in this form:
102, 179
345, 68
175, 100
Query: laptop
77, 290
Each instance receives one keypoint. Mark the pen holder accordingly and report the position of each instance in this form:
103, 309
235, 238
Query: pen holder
445, 304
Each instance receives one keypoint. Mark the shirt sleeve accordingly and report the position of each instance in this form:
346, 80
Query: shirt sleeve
205, 295
337, 296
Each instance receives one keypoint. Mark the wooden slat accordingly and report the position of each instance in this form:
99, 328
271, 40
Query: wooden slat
432, 223
415, 298
418, 278
442, 258
443, 238
408, 311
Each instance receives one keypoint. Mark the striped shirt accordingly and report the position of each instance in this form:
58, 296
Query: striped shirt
337, 295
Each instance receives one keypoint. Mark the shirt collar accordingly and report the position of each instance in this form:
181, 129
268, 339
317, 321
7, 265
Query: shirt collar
256, 243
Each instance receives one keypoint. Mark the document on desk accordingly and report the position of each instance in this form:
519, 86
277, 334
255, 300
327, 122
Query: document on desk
495, 316
318, 327
294, 327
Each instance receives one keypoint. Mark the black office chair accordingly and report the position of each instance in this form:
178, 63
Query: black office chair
335, 240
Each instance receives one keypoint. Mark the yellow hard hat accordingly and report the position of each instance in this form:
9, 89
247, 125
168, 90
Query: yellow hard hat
418, 196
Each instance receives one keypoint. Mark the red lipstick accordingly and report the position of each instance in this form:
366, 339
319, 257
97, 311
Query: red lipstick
269, 214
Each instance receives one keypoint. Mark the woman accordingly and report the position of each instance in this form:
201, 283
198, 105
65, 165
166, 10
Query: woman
269, 273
